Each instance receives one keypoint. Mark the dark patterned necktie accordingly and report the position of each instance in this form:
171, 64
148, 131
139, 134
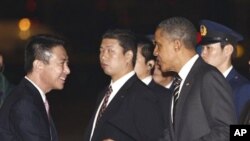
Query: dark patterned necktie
105, 102
176, 93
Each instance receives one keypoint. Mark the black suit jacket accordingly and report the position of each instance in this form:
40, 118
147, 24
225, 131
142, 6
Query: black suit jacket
205, 108
164, 96
23, 116
245, 114
132, 115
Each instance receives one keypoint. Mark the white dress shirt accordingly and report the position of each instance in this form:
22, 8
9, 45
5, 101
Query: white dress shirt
115, 87
147, 79
183, 74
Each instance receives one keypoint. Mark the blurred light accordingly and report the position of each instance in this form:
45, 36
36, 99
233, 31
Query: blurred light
24, 35
24, 24
240, 51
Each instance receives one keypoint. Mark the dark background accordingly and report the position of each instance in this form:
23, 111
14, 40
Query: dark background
82, 22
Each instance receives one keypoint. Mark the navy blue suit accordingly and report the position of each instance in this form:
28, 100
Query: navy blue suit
241, 90
23, 116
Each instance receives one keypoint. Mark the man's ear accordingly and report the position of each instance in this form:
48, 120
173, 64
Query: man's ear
38, 65
150, 64
228, 49
129, 55
177, 44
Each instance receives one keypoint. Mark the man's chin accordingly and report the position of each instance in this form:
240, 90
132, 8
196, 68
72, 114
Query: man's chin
165, 70
59, 87
106, 72
162, 69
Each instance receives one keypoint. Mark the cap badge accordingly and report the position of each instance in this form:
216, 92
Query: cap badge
203, 30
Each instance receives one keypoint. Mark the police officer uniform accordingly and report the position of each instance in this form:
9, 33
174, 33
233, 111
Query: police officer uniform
212, 32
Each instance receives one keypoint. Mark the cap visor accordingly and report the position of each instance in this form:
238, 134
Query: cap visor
208, 41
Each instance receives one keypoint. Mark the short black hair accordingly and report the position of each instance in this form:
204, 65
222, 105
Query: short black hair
39, 48
126, 38
147, 48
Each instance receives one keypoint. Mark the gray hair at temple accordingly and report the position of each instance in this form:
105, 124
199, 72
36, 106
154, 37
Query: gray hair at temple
39, 47
180, 28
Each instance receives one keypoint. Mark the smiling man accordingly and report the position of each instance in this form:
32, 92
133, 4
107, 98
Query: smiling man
25, 113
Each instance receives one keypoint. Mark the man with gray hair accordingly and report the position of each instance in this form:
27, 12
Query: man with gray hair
202, 105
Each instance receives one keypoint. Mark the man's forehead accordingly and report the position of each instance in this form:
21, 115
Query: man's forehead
218, 44
110, 44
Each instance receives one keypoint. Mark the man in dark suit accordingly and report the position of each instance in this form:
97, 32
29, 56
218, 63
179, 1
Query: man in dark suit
129, 112
144, 67
25, 113
245, 114
202, 107
219, 48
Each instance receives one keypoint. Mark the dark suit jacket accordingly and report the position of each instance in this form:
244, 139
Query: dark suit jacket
241, 90
23, 116
132, 115
205, 108
245, 114
164, 96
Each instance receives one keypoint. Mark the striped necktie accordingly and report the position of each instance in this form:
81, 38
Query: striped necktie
105, 102
176, 93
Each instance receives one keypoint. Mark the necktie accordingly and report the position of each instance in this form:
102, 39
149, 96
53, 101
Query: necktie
176, 93
46, 103
105, 102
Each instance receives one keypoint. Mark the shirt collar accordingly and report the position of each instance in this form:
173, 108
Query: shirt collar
225, 73
187, 67
169, 85
120, 82
147, 79
40, 91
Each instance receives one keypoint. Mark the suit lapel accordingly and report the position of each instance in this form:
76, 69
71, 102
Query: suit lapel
114, 105
231, 75
39, 103
185, 90
117, 100
38, 99
53, 131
